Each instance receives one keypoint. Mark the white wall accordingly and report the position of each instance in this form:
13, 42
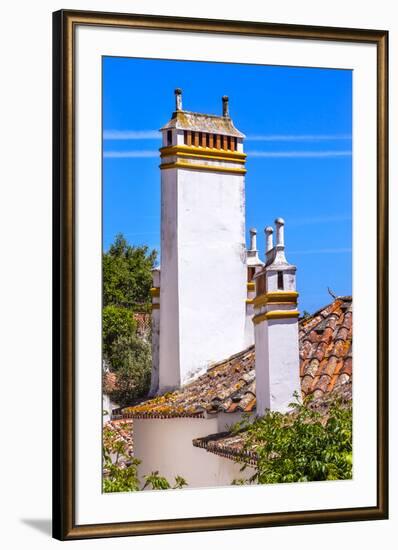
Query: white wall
277, 362
169, 343
211, 268
25, 218
203, 290
166, 446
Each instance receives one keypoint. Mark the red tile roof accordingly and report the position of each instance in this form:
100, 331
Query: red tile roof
122, 431
325, 340
232, 445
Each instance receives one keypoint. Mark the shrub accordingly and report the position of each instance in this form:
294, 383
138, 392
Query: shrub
303, 445
130, 358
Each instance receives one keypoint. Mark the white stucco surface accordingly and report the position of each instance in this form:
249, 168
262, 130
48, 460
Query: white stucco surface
203, 291
165, 445
277, 364
169, 346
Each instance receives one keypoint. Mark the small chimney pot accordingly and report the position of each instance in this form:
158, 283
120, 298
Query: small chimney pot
280, 231
268, 239
178, 94
225, 106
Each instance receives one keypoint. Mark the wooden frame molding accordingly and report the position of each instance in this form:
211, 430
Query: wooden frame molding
65, 24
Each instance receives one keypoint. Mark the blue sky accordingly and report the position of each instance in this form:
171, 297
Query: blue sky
298, 123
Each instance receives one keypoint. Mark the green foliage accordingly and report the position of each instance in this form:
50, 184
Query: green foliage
157, 482
120, 468
130, 358
301, 446
127, 276
117, 322
127, 279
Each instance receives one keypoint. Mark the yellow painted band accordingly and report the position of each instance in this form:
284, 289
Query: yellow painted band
281, 314
155, 306
251, 287
282, 294
204, 156
212, 152
293, 303
155, 292
260, 300
276, 297
276, 314
207, 167
249, 301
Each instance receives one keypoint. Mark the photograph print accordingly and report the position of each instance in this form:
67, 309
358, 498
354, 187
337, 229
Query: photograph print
227, 274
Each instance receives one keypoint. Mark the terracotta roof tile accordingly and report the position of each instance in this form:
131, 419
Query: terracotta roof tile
230, 445
325, 363
199, 122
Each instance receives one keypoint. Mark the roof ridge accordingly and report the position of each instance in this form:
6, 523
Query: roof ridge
230, 358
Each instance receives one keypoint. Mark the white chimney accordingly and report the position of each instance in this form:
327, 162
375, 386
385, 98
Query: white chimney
276, 328
254, 264
253, 239
268, 239
203, 254
280, 231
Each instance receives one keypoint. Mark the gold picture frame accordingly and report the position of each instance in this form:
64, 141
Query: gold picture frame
65, 24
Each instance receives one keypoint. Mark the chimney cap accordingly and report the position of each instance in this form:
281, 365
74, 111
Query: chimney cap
268, 229
253, 230
280, 221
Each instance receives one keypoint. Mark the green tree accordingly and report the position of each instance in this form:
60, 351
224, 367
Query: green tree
304, 445
127, 276
130, 358
117, 322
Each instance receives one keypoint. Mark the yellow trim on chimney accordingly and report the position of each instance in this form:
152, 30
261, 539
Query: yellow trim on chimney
205, 156
176, 150
207, 167
276, 314
282, 314
155, 306
249, 301
251, 287
259, 301
155, 291
282, 296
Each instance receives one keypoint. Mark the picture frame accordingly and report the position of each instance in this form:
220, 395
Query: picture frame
66, 308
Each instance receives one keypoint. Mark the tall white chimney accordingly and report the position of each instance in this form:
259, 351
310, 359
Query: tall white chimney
254, 264
203, 249
276, 328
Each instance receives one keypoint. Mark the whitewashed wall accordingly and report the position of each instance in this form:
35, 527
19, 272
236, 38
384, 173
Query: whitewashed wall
203, 289
277, 364
166, 446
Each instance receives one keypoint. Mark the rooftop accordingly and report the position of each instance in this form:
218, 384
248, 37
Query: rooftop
232, 445
199, 122
325, 340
